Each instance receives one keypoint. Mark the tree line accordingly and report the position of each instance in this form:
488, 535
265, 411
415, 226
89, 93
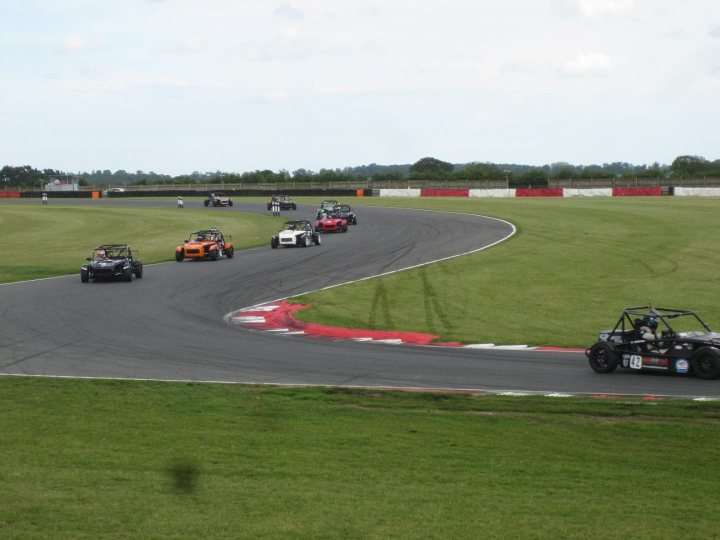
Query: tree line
427, 168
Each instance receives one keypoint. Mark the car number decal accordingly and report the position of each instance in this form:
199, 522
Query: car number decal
635, 361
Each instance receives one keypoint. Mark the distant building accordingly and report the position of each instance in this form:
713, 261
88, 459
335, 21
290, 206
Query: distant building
62, 184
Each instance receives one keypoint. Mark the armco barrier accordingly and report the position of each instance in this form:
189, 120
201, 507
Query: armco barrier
587, 192
492, 192
410, 192
695, 192
541, 192
637, 192
432, 192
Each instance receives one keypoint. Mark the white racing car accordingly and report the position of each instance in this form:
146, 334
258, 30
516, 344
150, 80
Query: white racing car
296, 233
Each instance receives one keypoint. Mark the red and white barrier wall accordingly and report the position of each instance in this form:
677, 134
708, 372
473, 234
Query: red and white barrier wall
550, 192
695, 192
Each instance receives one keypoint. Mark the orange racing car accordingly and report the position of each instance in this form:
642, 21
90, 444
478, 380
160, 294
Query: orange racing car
207, 244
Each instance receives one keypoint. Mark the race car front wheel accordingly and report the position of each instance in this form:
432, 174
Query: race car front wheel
706, 363
84, 276
602, 357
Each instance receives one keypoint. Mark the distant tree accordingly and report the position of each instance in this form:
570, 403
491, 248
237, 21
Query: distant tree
302, 175
534, 176
596, 171
396, 176
480, 171
429, 167
689, 166
565, 173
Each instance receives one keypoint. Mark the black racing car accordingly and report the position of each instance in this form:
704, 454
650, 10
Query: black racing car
286, 203
111, 261
345, 211
664, 340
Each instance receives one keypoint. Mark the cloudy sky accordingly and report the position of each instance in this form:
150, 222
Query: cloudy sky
176, 86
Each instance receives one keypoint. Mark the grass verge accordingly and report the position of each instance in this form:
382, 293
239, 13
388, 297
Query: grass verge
87, 459
54, 240
569, 271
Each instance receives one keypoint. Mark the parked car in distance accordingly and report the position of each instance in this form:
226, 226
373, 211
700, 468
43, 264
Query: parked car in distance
111, 261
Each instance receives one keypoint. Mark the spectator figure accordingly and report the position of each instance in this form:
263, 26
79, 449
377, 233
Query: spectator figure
44, 198
180, 203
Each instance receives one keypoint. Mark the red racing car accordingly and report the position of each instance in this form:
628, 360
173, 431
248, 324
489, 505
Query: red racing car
331, 223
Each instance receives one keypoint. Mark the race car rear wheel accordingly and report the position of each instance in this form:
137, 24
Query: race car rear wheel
602, 357
316, 238
206, 203
706, 363
230, 252
138, 270
127, 274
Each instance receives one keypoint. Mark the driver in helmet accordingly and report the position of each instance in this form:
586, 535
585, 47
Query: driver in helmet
648, 331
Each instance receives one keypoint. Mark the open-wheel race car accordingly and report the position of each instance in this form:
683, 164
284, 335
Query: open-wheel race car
331, 222
218, 199
346, 212
665, 340
111, 261
205, 244
296, 233
326, 207
285, 202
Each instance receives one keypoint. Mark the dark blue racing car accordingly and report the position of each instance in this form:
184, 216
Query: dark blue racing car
111, 261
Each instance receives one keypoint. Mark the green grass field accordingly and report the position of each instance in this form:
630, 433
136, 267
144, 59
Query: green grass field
573, 265
109, 459
119, 459
44, 241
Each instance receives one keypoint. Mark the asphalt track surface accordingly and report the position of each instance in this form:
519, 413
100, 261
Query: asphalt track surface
170, 324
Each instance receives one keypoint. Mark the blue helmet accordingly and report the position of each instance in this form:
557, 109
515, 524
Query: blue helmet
650, 322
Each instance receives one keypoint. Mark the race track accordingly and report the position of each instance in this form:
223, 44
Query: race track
169, 325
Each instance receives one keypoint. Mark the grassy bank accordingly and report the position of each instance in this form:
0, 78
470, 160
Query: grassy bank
87, 459
572, 267
54, 240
